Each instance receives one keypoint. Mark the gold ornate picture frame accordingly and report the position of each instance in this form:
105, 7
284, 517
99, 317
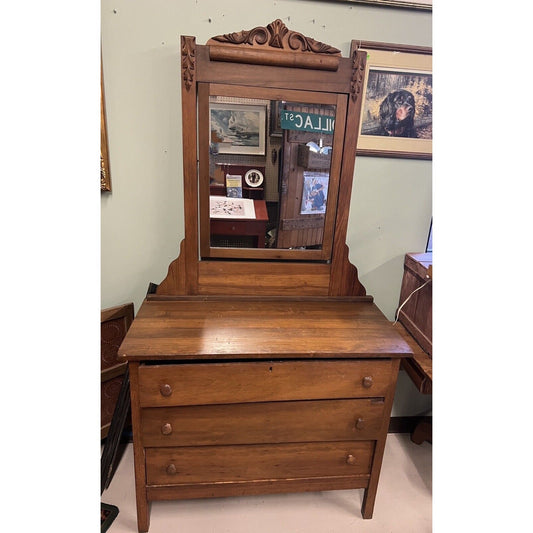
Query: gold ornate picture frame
105, 176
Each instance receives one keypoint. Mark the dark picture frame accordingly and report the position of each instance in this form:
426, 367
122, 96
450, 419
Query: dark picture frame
397, 109
275, 119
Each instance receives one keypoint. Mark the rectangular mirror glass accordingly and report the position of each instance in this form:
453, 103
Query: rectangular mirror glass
268, 177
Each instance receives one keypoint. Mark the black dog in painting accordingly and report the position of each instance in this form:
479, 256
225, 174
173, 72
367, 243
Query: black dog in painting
397, 113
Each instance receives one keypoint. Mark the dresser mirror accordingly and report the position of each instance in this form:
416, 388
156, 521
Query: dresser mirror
269, 171
270, 124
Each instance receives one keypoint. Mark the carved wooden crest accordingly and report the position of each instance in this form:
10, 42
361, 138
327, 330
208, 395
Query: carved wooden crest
276, 35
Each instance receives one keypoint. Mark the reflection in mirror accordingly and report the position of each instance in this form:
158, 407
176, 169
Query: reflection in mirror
269, 172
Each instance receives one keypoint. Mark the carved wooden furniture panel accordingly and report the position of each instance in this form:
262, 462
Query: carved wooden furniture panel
115, 322
261, 370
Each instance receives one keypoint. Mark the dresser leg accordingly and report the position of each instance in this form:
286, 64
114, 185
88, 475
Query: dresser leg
143, 515
143, 506
367, 509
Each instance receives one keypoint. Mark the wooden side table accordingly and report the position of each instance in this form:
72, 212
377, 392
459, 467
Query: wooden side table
414, 324
244, 227
416, 315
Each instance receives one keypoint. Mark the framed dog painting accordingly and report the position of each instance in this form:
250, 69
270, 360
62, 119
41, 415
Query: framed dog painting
397, 109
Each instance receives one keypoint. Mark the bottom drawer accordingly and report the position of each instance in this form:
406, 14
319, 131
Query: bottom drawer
212, 464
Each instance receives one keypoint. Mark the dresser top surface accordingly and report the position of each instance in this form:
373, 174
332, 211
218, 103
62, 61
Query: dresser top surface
258, 328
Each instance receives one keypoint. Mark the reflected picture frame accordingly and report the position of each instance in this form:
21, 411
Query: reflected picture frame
393, 72
275, 119
237, 128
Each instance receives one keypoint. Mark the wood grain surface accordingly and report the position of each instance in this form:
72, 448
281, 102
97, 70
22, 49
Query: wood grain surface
260, 329
261, 423
257, 462
262, 381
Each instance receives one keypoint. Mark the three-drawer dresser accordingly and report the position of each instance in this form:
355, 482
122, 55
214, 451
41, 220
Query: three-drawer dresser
238, 396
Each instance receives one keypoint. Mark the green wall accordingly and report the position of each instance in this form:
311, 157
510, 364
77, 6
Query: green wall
142, 219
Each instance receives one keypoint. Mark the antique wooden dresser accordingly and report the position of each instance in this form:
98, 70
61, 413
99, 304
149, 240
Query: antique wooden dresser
263, 368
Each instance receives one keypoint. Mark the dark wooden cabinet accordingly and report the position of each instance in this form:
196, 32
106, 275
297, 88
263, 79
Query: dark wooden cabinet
115, 322
415, 319
417, 293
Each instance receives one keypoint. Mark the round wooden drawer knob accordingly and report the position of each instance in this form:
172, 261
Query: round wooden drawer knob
171, 469
166, 429
367, 382
165, 390
351, 460
360, 423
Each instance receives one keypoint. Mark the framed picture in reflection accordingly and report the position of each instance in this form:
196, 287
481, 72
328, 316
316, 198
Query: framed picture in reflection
237, 128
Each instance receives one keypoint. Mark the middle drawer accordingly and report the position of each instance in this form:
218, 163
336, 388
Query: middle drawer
269, 422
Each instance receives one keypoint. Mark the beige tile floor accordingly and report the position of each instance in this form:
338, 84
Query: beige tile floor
403, 503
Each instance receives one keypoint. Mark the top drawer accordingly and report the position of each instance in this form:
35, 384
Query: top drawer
216, 383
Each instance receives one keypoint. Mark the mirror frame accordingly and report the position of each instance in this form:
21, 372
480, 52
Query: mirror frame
277, 64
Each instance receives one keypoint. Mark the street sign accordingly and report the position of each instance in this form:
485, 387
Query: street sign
298, 120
